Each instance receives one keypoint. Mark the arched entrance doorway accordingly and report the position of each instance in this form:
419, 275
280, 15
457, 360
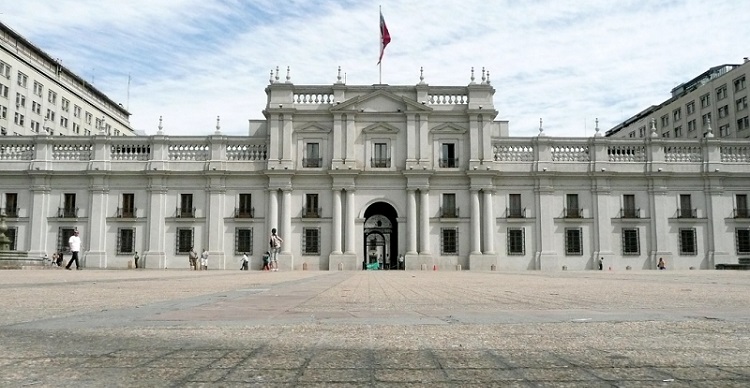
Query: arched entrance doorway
381, 237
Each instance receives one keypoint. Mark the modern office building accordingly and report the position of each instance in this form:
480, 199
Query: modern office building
715, 101
352, 175
40, 96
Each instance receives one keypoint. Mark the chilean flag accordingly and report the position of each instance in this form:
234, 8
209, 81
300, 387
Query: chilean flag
385, 37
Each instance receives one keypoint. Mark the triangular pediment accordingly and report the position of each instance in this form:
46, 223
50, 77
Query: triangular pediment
380, 101
313, 127
384, 128
448, 128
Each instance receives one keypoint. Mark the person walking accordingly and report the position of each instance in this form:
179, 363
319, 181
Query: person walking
74, 243
204, 260
135, 258
193, 257
275, 243
245, 262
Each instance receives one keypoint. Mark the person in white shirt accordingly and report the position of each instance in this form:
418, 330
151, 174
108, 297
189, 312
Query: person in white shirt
204, 260
74, 243
245, 262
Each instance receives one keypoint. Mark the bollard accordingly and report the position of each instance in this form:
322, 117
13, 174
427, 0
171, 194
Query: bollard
493, 267
458, 267
434, 267
304, 266
424, 267
565, 267
130, 264
341, 266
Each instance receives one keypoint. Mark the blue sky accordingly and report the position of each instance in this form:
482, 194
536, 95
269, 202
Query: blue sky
568, 62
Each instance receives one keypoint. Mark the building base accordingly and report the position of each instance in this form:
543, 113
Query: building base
344, 262
481, 262
153, 260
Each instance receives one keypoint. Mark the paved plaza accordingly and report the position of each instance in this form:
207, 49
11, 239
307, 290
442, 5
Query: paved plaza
133, 328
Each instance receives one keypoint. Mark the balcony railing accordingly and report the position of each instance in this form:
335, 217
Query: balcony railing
380, 162
628, 212
64, 212
312, 162
243, 212
11, 212
741, 213
311, 212
185, 213
128, 212
687, 213
448, 162
515, 212
572, 212
448, 212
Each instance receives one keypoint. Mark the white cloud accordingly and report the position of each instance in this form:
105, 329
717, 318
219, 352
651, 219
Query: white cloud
568, 62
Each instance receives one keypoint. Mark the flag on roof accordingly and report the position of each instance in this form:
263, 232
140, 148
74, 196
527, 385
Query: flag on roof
385, 37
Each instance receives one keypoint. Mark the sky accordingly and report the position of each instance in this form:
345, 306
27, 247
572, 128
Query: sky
568, 62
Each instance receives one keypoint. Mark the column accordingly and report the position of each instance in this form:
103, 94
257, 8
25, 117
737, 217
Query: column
424, 143
411, 222
474, 138
155, 255
273, 212
38, 211
273, 144
350, 136
475, 226
337, 138
411, 138
215, 222
350, 216
424, 216
336, 233
489, 223
286, 221
94, 245
286, 143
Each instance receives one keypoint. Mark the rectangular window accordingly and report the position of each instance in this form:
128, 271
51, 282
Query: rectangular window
52, 97
739, 84
630, 242
11, 234
184, 240
705, 100
36, 107
128, 206
310, 241
19, 119
572, 210
664, 121
723, 111
245, 208
3, 91
65, 104
76, 128
691, 126
38, 88
11, 205
380, 157
63, 235
678, 132
742, 240
312, 155
573, 242
743, 123
449, 209
688, 242
706, 119
3, 112
724, 130
35, 126
516, 242
89, 116
63, 122
69, 209
721, 92
22, 79
631, 134
448, 155
76, 111
186, 209
448, 241
125, 241
677, 114
642, 131
243, 241
515, 208
20, 100
628, 206
50, 115
686, 209
4, 69
741, 211
741, 104
311, 209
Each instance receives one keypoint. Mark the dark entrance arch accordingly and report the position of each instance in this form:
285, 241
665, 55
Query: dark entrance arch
381, 237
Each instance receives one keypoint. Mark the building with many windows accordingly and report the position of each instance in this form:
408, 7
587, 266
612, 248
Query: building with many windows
715, 101
40, 96
357, 175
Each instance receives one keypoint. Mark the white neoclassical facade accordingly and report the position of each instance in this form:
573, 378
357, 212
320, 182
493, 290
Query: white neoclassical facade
354, 175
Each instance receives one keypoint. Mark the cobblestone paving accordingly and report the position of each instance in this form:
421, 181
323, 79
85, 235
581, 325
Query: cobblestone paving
377, 328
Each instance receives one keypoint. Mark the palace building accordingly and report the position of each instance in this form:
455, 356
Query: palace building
353, 175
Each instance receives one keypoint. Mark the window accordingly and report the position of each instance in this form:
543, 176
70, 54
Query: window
690, 107
380, 156
739, 84
678, 132
19, 119
243, 241
3, 112
245, 208
22, 79
723, 111
665, 134
573, 242
64, 122
3, 91
571, 209
38, 88
448, 241
742, 240
686, 209
76, 128
642, 131
50, 115
677, 114
628, 206
89, 116
69, 209
741, 211
705, 100
516, 242
11, 234
631, 134
721, 92
36, 107
515, 209
11, 204
687, 242
186, 209
312, 155
63, 235
311, 209
449, 210
724, 130
52, 97
20, 100
691, 126
664, 121
448, 155
706, 119
743, 123
125, 241
65, 104
76, 111
4, 69
310, 241
741, 104
184, 240
128, 206
630, 242
34, 126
